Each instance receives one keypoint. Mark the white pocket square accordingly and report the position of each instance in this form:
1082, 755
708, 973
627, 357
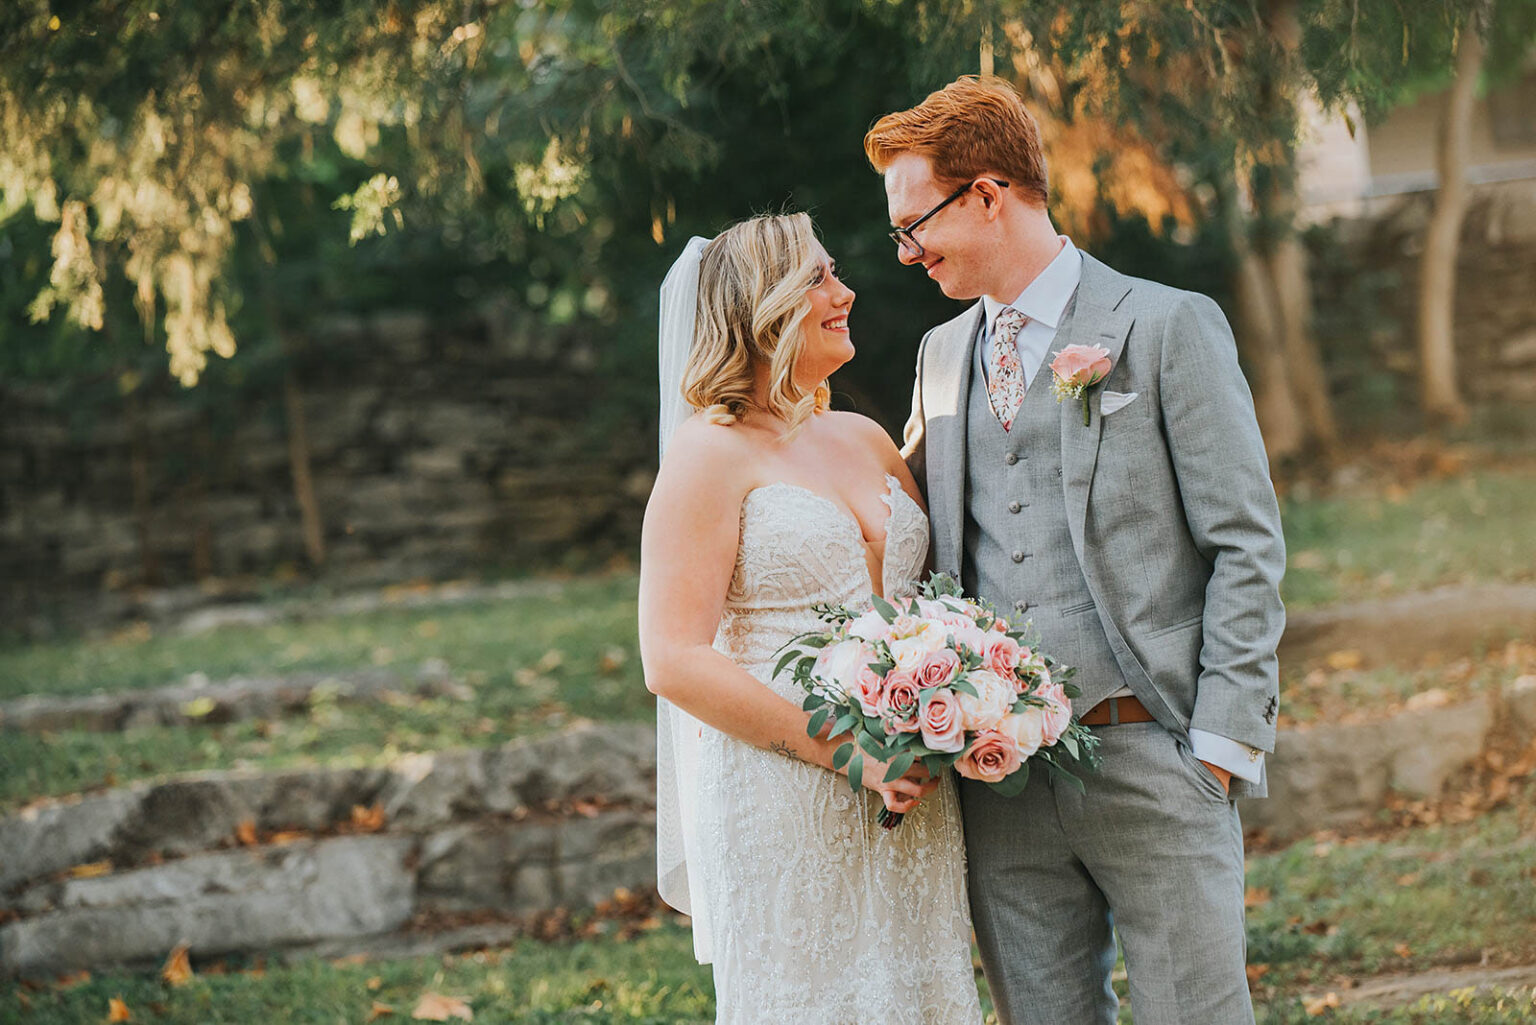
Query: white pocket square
1111, 401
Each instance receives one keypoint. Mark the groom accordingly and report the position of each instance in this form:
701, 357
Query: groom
1145, 547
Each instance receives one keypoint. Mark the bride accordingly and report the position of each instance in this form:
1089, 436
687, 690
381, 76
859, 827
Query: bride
768, 503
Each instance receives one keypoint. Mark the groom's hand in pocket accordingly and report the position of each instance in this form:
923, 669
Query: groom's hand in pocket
1221, 774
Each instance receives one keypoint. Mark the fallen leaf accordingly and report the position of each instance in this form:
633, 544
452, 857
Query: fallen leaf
1402, 950
178, 967
198, 708
1408, 880
71, 979
1255, 897
612, 660
1340, 661
379, 1010
1315, 1006
1256, 972
586, 809
91, 870
375, 982
368, 820
286, 836
552, 659
245, 832
436, 1007
1432, 698
117, 1010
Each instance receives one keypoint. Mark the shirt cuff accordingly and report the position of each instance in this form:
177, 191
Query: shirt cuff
1240, 760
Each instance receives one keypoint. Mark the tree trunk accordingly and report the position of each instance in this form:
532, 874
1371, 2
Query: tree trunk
1257, 332
1287, 265
1263, 349
298, 462
1285, 256
1439, 392
143, 498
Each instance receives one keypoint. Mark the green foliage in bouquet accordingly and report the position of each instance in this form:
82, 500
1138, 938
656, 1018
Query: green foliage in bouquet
839, 710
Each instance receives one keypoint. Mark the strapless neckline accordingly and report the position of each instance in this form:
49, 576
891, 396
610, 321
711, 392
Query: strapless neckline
893, 491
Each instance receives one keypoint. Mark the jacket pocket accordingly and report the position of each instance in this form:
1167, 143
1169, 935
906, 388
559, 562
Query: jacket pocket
1183, 624
1078, 609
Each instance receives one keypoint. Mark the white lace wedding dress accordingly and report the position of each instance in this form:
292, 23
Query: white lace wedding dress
818, 915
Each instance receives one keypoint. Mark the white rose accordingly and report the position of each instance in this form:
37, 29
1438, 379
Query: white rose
1026, 729
870, 627
934, 635
909, 652
839, 663
994, 697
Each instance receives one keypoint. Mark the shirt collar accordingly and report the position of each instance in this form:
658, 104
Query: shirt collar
1045, 298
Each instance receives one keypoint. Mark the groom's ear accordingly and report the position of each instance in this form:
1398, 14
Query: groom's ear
991, 196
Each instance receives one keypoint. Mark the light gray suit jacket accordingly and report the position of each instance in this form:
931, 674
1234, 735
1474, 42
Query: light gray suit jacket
1172, 513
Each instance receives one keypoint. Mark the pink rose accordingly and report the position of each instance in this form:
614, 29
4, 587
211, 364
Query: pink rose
1000, 626
1058, 711
938, 669
867, 689
1081, 366
991, 758
941, 722
899, 702
1001, 656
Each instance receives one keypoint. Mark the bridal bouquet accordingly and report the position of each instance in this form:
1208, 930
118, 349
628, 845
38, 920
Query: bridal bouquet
937, 678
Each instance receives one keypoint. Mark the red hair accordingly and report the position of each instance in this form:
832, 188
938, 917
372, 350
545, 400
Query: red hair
969, 128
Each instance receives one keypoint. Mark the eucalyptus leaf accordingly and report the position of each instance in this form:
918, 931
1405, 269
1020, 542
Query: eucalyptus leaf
856, 772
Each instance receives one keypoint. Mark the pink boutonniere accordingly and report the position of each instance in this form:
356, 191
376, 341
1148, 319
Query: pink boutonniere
1076, 369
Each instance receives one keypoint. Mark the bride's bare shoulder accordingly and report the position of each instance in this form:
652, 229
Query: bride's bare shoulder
702, 452
861, 430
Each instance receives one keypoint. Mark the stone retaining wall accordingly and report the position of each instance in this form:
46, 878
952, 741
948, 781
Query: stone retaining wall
556, 821
492, 829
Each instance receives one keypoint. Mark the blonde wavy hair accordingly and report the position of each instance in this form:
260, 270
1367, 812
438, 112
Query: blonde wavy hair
753, 285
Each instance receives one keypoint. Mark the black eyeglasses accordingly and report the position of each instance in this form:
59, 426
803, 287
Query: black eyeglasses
903, 236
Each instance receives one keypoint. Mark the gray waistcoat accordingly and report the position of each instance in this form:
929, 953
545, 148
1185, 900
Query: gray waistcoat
1018, 549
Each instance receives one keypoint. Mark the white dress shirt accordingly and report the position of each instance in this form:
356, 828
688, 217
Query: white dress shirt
1044, 301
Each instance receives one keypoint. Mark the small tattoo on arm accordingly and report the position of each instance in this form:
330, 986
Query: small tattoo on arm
779, 747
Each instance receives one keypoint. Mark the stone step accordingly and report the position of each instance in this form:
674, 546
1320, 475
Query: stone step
1402, 630
197, 812
198, 701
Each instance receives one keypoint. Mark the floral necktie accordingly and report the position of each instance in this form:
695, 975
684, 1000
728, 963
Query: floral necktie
1005, 374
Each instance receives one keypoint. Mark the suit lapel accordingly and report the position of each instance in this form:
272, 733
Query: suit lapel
1095, 320
947, 385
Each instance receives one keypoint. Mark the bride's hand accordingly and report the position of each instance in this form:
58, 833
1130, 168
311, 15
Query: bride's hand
903, 793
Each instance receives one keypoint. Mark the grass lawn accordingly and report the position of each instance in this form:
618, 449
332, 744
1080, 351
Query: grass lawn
1476, 527
1322, 914
536, 663
533, 664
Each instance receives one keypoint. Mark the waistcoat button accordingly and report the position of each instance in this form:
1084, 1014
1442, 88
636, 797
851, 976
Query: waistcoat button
1014, 507
1010, 458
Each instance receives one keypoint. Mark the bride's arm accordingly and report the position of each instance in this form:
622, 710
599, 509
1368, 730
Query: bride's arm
687, 557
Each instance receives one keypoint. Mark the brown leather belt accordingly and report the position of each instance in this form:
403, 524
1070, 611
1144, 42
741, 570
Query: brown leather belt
1112, 711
